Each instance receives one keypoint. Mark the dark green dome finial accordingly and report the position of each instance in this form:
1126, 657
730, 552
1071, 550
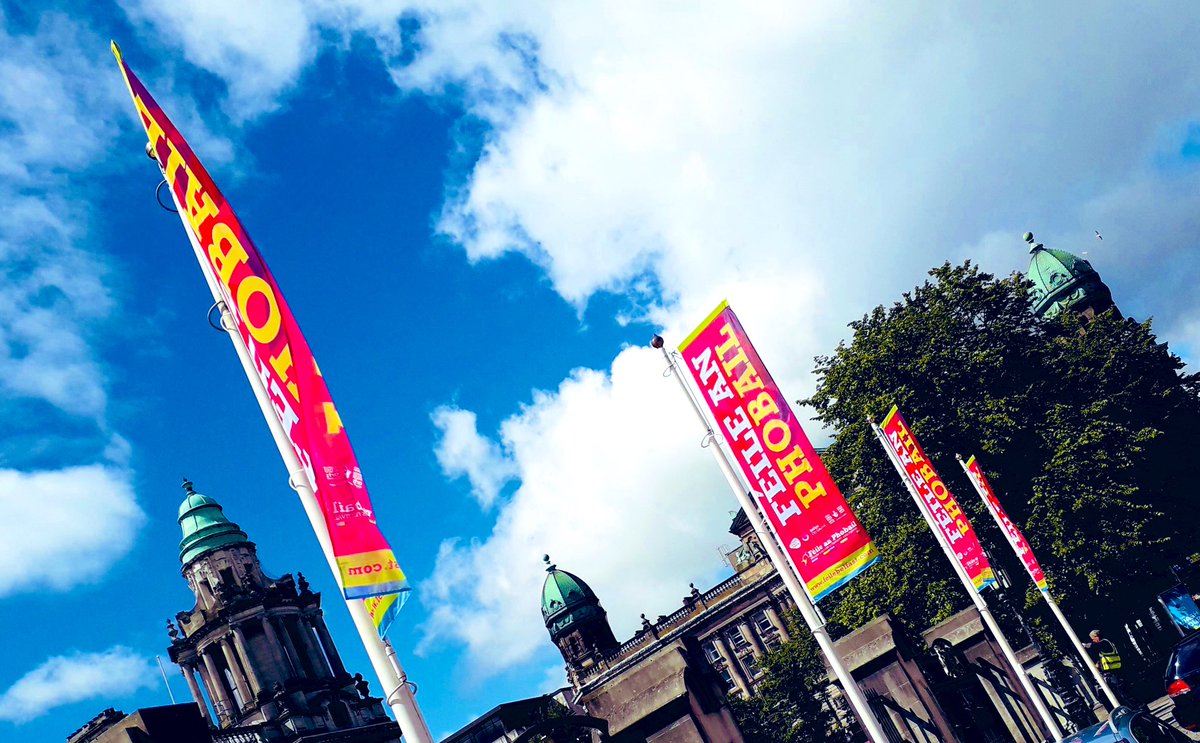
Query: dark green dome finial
566, 600
205, 526
1062, 281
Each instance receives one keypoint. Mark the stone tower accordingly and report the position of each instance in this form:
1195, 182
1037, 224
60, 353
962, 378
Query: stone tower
1065, 283
577, 623
259, 645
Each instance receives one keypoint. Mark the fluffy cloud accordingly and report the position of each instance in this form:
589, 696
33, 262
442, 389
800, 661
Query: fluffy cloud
64, 527
64, 679
807, 165
462, 452
52, 117
61, 526
614, 486
258, 49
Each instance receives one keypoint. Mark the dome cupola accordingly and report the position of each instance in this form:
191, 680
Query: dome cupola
205, 527
566, 600
1063, 282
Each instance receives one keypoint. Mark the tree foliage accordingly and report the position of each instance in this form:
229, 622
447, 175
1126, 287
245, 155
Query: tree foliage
790, 704
1086, 434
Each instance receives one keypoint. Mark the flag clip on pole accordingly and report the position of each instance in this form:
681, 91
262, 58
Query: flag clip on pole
408, 715
1045, 591
808, 608
985, 613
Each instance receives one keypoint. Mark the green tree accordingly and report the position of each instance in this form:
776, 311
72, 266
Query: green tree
1084, 435
557, 718
790, 704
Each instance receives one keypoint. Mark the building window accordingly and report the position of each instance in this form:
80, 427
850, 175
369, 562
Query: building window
762, 622
726, 678
711, 652
736, 639
772, 641
750, 663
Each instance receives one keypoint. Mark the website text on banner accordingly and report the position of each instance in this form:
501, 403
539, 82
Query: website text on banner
282, 358
1015, 537
383, 610
937, 501
821, 537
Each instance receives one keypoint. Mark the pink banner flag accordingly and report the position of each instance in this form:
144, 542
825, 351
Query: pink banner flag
281, 357
935, 498
1014, 535
820, 535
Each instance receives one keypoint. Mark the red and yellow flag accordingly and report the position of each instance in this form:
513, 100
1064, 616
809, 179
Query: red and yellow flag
952, 525
280, 355
820, 535
1011, 532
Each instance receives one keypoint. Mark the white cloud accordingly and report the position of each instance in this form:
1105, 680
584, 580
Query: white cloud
64, 527
667, 154
462, 452
65, 679
554, 678
614, 486
805, 164
259, 48
53, 118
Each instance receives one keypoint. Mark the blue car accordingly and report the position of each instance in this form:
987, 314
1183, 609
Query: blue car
1127, 725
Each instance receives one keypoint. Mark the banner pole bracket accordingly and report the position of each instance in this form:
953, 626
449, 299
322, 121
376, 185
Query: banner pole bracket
218, 326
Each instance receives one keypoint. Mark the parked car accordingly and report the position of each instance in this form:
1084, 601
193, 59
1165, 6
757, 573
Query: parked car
1125, 725
1182, 681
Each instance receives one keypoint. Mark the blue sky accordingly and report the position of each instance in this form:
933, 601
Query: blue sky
479, 215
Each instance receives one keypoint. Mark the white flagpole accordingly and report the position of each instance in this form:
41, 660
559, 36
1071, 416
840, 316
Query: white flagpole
166, 683
1087, 660
1034, 696
808, 608
398, 694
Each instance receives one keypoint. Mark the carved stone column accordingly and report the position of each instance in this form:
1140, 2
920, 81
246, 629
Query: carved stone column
780, 625
189, 673
315, 656
731, 662
339, 669
748, 632
239, 644
235, 672
297, 661
216, 689
273, 640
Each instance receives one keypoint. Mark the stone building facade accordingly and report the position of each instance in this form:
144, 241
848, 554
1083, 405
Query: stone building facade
669, 682
259, 647
254, 650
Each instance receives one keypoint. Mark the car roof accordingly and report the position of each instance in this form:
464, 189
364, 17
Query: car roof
1194, 637
1103, 732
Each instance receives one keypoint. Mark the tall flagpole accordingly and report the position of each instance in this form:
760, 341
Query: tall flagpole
1087, 660
1034, 696
391, 678
808, 608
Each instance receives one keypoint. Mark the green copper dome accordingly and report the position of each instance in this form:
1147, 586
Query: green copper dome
1063, 282
566, 599
204, 525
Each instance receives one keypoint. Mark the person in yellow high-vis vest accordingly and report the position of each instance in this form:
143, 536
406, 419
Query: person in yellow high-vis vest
1105, 657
